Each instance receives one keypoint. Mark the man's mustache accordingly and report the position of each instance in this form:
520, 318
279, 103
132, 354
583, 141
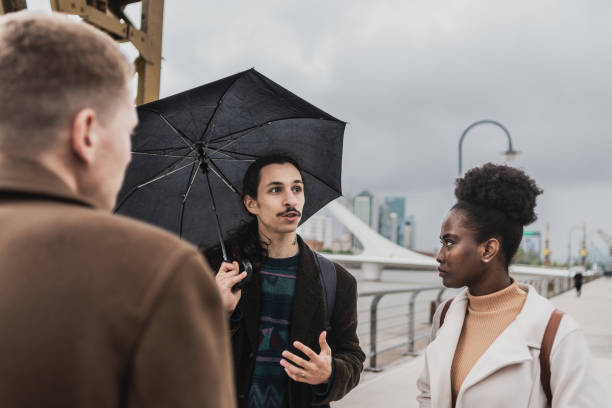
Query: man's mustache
289, 211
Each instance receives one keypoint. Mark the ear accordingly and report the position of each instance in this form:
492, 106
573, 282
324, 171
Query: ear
250, 204
490, 249
82, 136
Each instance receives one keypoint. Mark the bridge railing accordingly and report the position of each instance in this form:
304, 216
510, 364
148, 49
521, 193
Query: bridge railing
397, 322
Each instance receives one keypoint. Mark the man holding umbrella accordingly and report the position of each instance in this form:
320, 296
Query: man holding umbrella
201, 167
284, 355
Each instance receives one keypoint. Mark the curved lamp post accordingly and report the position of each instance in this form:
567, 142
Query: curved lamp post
510, 153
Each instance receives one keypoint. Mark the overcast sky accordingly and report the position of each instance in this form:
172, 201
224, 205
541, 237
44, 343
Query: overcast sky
410, 76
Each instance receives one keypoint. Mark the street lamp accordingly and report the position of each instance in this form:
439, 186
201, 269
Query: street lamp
510, 153
569, 245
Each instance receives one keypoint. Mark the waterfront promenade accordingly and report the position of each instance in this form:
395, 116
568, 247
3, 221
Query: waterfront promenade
395, 386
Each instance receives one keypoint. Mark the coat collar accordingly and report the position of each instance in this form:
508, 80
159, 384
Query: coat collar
511, 347
441, 351
513, 344
22, 176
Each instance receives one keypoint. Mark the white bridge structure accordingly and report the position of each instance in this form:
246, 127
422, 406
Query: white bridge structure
380, 253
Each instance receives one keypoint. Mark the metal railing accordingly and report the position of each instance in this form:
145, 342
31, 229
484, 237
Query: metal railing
411, 337
546, 286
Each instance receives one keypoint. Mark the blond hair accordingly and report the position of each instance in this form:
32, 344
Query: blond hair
51, 67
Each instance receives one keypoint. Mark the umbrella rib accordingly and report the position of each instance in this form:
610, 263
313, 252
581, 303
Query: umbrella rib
138, 187
233, 141
252, 129
168, 149
164, 175
220, 174
269, 122
183, 137
233, 159
190, 111
214, 115
321, 181
194, 174
156, 154
229, 153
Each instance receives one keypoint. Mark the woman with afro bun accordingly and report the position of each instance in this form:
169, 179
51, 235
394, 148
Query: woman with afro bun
486, 341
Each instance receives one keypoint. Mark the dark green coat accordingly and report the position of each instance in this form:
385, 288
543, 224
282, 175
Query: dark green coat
307, 323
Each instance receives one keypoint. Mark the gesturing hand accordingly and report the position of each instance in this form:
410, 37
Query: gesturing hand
226, 278
316, 370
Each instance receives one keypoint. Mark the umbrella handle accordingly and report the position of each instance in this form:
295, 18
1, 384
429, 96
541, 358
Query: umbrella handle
248, 268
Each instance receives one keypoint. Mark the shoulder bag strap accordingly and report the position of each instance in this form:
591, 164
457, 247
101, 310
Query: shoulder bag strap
327, 274
445, 309
547, 342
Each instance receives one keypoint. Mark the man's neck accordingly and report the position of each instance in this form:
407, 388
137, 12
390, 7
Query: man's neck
281, 245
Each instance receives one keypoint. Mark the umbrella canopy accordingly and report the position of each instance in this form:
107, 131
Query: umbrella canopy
191, 150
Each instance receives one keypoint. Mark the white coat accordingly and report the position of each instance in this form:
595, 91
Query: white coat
507, 375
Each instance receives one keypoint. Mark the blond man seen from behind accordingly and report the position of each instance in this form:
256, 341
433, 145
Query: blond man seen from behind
95, 309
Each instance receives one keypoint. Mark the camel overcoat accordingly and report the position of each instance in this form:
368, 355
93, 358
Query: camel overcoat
507, 375
98, 310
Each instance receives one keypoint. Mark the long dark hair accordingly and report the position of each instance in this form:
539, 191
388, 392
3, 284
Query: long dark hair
244, 242
497, 202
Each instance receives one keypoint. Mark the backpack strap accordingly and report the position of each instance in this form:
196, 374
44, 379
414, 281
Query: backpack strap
445, 309
547, 342
327, 274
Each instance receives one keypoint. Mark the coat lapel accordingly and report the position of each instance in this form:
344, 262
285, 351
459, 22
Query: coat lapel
512, 346
308, 297
440, 352
509, 348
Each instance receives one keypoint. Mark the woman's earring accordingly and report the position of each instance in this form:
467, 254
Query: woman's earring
486, 261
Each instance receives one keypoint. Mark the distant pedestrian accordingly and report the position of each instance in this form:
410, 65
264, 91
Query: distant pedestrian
487, 340
96, 310
578, 283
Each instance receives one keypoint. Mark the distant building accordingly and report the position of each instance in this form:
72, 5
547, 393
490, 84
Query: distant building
391, 219
318, 230
530, 248
314, 245
384, 220
343, 244
397, 205
363, 207
388, 223
394, 227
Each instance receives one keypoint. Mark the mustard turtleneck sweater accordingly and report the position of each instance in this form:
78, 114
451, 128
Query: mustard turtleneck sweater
485, 319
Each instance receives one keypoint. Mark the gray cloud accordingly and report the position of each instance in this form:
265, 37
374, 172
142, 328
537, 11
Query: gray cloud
410, 76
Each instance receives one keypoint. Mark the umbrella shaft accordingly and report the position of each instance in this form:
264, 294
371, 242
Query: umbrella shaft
218, 224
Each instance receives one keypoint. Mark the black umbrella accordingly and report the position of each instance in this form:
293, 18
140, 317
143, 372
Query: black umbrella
191, 150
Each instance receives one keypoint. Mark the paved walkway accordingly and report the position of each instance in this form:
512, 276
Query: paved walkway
396, 385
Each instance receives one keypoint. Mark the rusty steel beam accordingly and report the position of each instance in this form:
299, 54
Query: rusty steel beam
107, 15
147, 40
9, 6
